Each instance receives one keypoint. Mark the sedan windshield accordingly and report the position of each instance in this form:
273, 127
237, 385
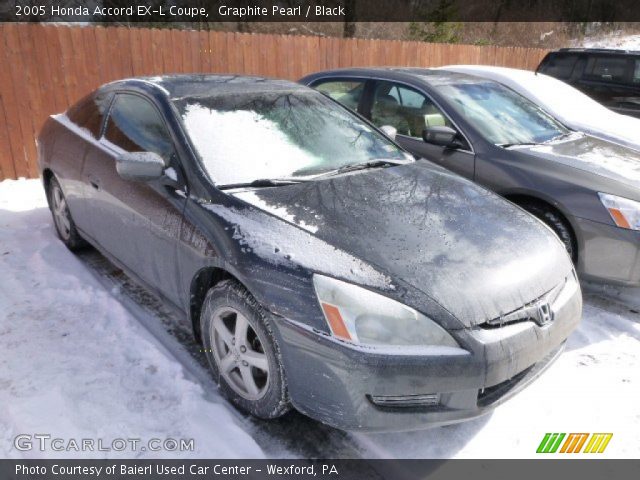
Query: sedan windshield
501, 115
242, 137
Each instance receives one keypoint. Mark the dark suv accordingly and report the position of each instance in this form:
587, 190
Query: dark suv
612, 77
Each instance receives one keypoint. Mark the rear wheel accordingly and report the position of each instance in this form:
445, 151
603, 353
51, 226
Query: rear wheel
65, 227
557, 223
242, 352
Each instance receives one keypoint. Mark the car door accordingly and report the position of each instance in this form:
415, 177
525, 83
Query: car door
78, 141
410, 111
138, 223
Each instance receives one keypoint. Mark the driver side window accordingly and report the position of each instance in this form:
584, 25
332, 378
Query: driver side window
405, 109
136, 126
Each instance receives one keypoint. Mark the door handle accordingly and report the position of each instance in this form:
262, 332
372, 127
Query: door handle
94, 182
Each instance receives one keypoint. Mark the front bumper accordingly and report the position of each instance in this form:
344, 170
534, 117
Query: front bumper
608, 253
335, 382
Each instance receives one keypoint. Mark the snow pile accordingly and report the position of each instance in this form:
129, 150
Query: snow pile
75, 364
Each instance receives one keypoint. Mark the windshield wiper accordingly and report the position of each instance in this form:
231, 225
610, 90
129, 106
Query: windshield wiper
379, 162
519, 144
262, 182
561, 136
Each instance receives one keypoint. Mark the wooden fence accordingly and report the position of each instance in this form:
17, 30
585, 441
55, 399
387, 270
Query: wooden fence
46, 68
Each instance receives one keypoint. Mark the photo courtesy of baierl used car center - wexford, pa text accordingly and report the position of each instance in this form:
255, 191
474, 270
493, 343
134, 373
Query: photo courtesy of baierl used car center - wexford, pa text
337, 239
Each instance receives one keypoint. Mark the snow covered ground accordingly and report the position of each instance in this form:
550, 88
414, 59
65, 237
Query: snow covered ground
84, 354
75, 363
618, 39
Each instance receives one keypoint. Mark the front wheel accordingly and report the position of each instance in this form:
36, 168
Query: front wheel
558, 224
242, 351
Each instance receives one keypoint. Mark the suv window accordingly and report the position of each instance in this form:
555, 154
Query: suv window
89, 112
607, 68
135, 125
559, 65
347, 92
405, 109
636, 72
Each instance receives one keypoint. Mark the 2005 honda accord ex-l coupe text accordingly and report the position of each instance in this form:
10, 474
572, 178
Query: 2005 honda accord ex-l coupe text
319, 264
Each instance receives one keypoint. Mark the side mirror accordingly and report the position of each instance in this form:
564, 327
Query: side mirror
389, 131
140, 166
440, 135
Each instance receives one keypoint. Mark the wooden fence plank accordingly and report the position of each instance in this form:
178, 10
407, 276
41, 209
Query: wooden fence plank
7, 169
22, 133
33, 96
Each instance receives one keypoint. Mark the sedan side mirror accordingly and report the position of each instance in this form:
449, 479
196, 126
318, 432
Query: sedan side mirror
389, 131
140, 166
440, 135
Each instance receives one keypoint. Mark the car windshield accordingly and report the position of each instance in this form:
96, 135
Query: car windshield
245, 136
502, 116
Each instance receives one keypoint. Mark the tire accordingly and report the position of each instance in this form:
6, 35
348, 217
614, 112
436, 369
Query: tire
558, 224
64, 224
258, 387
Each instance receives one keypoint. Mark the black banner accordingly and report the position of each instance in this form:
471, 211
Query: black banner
205, 11
320, 469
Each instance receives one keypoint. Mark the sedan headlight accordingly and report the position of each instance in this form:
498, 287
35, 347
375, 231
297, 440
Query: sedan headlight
624, 212
362, 316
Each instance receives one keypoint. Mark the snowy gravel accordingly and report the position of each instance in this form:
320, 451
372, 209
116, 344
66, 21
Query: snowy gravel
75, 361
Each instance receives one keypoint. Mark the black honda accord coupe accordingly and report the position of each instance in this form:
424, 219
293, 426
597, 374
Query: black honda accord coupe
320, 265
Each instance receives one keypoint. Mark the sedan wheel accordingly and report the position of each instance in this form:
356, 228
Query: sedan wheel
239, 354
242, 351
65, 227
558, 224
60, 212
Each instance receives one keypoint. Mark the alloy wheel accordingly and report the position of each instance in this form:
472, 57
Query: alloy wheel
60, 212
239, 354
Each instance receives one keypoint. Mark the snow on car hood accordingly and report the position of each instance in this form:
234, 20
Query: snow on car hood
593, 155
475, 254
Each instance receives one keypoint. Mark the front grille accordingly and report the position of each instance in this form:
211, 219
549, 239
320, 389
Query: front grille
492, 394
539, 310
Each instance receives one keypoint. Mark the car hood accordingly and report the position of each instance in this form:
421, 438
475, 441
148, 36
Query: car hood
475, 254
593, 155
613, 127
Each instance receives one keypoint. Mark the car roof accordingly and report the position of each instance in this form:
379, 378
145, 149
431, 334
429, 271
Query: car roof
429, 76
484, 68
191, 85
610, 51
493, 71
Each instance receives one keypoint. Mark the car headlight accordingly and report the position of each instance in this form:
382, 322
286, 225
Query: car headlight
362, 316
624, 212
